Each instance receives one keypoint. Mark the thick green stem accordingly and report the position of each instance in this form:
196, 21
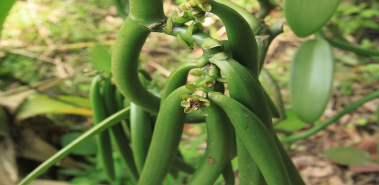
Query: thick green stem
180, 165
99, 110
253, 22
248, 171
177, 78
125, 56
331, 120
251, 94
141, 133
103, 125
117, 131
166, 137
219, 132
241, 37
266, 7
146, 12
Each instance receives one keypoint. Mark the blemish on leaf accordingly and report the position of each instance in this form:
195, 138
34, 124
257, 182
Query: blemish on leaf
211, 160
247, 119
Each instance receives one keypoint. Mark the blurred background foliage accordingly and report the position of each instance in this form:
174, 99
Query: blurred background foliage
48, 46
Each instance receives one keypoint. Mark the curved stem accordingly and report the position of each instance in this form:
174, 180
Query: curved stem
177, 78
141, 133
99, 109
253, 22
266, 7
349, 47
331, 120
125, 56
180, 165
166, 137
103, 125
146, 12
241, 37
219, 132
248, 170
118, 133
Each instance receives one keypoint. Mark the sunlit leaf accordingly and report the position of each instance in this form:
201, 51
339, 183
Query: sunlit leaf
101, 58
348, 155
43, 104
307, 16
89, 147
5, 6
83, 102
311, 79
291, 123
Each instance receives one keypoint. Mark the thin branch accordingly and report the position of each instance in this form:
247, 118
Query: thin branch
157, 66
65, 47
41, 29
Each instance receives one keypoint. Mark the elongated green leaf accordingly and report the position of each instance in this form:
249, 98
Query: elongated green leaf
291, 123
101, 58
307, 16
5, 6
76, 100
89, 147
43, 104
311, 79
348, 155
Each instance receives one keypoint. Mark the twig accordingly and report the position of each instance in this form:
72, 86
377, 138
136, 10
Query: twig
321, 126
160, 68
41, 29
157, 66
366, 180
36, 56
65, 47
60, 69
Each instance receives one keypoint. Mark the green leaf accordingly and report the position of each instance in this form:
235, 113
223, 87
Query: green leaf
210, 43
80, 101
89, 147
369, 13
348, 155
43, 104
5, 6
101, 58
186, 44
307, 16
311, 79
369, 24
291, 123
